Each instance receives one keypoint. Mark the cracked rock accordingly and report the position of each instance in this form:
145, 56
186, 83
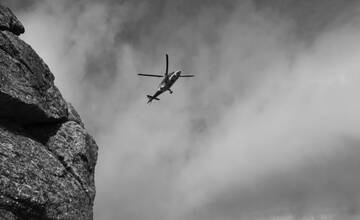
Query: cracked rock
35, 183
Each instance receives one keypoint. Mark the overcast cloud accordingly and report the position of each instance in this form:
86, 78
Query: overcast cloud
268, 129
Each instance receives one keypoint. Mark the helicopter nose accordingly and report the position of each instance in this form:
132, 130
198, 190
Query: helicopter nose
178, 73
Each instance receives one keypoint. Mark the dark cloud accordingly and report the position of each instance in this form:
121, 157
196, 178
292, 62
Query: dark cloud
18, 5
311, 17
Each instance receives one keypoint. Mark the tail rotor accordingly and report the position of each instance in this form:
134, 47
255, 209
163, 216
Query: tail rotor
151, 98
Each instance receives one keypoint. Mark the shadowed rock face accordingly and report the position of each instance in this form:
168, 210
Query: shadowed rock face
47, 158
8, 21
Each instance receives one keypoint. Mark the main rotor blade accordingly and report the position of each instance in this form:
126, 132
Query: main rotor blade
152, 75
187, 75
167, 64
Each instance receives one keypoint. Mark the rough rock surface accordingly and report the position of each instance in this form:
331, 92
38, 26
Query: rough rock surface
8, 21
47, 158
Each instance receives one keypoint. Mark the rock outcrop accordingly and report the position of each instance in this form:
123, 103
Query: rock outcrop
47, 158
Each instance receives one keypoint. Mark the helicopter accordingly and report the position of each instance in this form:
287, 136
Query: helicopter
168, 80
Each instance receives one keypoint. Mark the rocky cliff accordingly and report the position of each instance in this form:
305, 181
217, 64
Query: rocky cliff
47, 158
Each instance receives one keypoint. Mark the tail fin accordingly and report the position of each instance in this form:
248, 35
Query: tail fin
151, 98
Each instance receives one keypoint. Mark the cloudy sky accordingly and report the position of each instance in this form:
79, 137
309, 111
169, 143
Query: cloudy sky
269, 129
